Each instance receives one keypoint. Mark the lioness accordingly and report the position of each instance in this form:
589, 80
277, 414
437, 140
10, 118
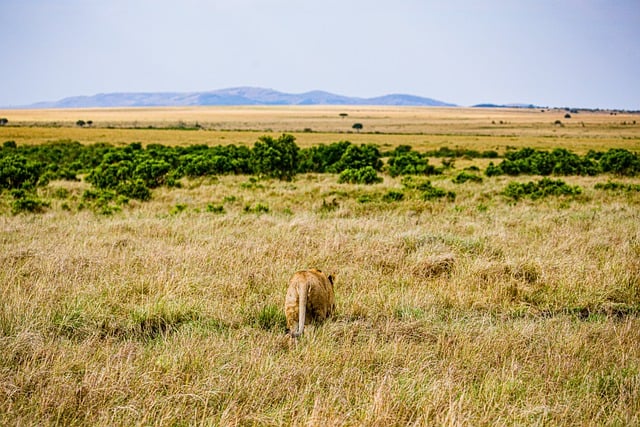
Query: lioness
310, 292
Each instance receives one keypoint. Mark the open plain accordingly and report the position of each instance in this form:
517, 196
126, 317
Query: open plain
170, 311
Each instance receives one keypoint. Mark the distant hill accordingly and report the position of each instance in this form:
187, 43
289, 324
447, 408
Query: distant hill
234, 96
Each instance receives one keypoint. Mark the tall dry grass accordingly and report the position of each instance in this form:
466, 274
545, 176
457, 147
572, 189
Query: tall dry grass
170, 314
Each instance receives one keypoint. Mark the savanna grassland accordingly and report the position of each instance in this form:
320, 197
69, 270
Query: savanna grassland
482, 303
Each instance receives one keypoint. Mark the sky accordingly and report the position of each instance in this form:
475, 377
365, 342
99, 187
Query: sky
555, 53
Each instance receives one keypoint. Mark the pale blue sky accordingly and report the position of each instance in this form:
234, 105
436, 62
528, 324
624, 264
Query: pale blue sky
577, 53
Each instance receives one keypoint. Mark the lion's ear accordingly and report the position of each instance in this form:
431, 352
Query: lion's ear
331, 277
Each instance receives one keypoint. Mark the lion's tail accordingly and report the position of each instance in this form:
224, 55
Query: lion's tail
302, 308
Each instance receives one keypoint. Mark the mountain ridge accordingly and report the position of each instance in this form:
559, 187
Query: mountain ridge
236, 96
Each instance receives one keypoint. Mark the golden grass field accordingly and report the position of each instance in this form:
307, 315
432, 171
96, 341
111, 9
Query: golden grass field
169, 313
423, 128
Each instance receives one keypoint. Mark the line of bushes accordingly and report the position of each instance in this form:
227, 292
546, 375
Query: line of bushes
527, 161
132, 171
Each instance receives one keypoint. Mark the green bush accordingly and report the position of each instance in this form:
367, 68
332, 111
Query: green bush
429, 192
366, 175
258, 208
102, 201
359, 157
201, 160
178, 208
275, 158
463, 177
109, 175
321, 158
461, 152
619, 161
27, 202
152, 172
393, 196
407, 162
563, 162
617, 186
542, 188
16, 171
134, 189
218, 209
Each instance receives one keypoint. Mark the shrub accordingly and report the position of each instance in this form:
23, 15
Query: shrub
152, 172
358, 157
135, 189
617, 186
16, 171
461, 152
412, 183
276, 158
195, 165
102, 201
257, 208
322, 158
542, 188
493, 170
409, 163
218, 160
178, 208
218, 209
463, 177
568, 163
365, 175
393, 196
619, 161
534, 162
109, 175
26, 202
430, 192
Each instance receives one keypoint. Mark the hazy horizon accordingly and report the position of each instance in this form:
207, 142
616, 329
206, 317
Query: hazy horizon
567, 53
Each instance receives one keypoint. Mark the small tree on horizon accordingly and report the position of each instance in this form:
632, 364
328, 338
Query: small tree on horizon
357, 126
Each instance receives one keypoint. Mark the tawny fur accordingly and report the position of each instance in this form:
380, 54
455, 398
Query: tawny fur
310, 298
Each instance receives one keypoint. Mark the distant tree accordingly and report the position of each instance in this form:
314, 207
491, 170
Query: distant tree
89, 122
567, 116
81, 123
343, 115
357, 126
3, 121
